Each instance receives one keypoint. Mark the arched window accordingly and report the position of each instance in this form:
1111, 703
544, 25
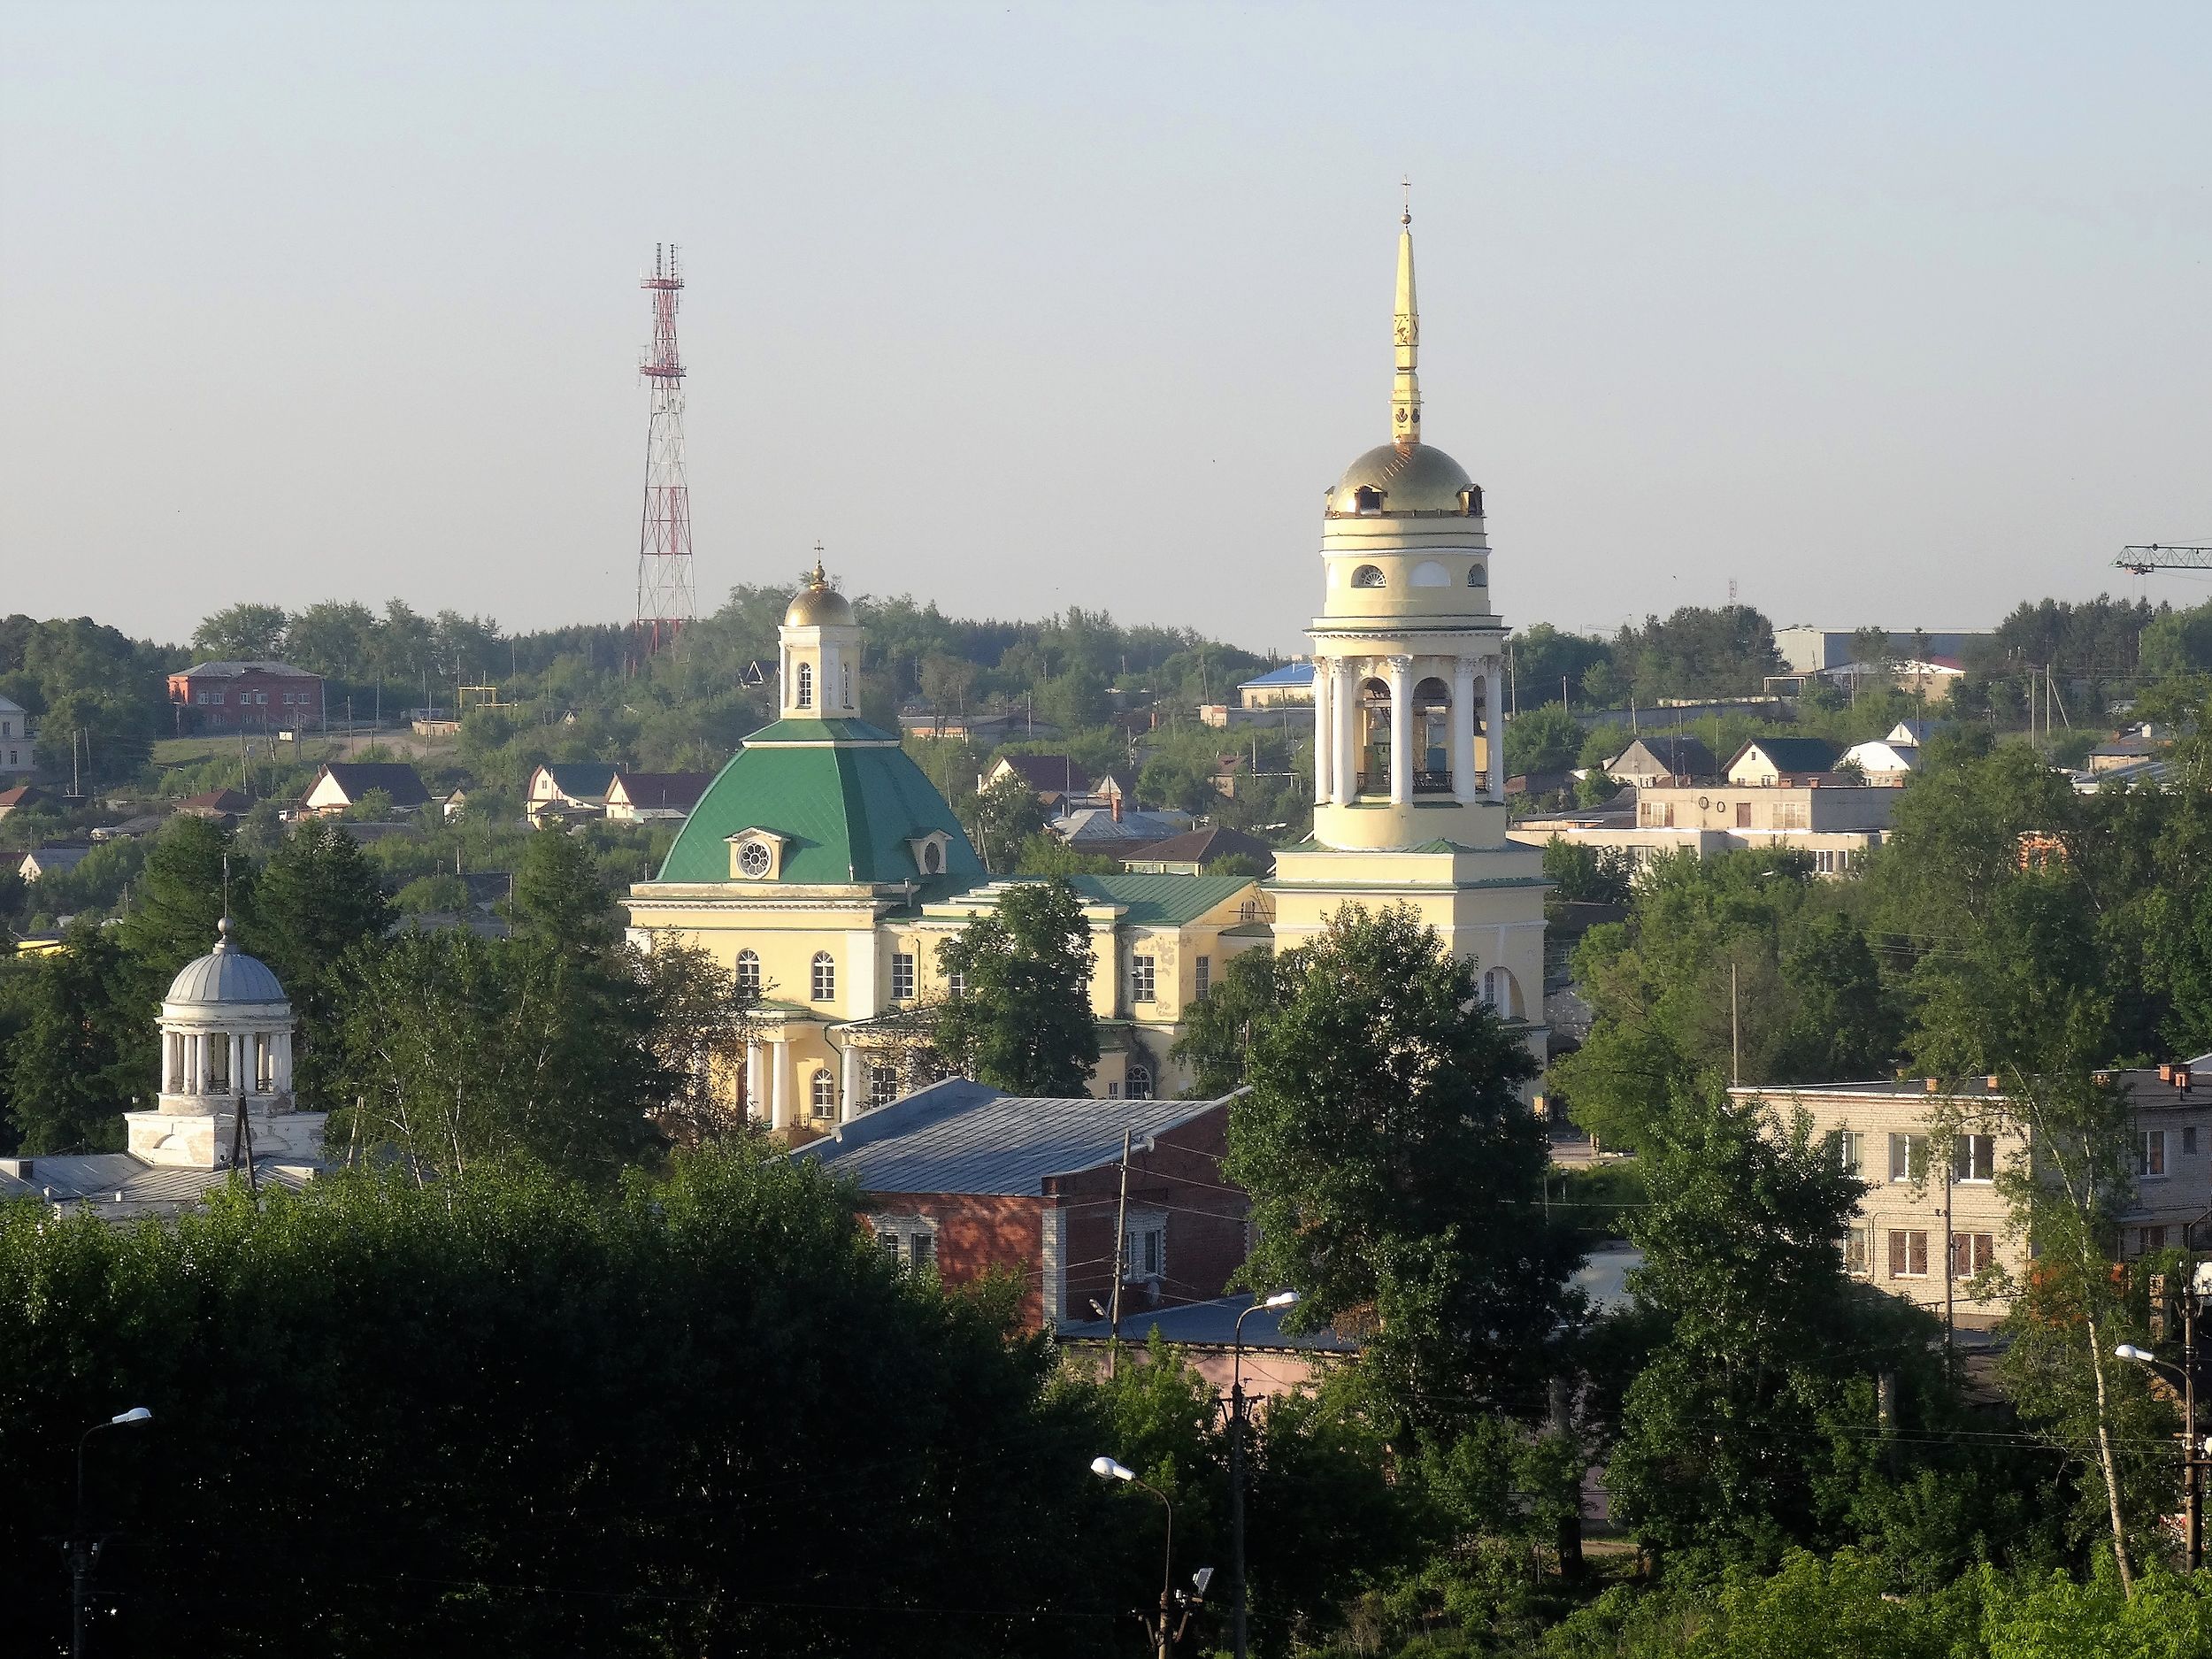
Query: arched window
883, 1084
1477, 576
805, 699
1140, 1083
1368, 576
1429, 573
1497, 991
825, 987
823, 1092
1431, 738
748, 974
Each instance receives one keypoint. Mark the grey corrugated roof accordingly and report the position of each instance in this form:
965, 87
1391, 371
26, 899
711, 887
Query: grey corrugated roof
1211, 1325
962, 1136
95, 1180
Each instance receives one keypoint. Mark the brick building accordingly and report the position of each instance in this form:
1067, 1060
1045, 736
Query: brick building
252, 696
960, 1175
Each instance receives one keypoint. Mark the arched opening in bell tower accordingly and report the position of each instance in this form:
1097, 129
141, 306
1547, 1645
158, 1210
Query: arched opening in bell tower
1374, 714
1431, 738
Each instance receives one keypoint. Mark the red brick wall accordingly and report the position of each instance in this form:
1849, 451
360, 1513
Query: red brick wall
1205, 1218
237, 708
977, 1231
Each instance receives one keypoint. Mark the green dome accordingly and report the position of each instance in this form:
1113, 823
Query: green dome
848, 800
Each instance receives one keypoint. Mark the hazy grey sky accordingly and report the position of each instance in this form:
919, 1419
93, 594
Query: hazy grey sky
1891, 314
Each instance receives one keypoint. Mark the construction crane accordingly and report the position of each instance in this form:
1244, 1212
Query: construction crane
2141, 561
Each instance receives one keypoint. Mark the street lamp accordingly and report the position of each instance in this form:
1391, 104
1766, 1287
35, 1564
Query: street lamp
1281, 1299
1169, 1629
83, 1554
2193, 1507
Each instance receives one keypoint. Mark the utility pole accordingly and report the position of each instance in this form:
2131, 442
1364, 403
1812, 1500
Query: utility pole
1121, 1245
1735, 1037
2192, 1454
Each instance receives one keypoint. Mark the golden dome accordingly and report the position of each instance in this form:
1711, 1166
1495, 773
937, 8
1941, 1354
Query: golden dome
1414, 478
817, 605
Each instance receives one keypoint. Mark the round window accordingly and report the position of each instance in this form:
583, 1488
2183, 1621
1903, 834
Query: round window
753, 859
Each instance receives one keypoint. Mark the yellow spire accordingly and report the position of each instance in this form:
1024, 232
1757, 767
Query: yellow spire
1405, 387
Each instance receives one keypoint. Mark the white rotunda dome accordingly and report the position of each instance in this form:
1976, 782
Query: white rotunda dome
225, 977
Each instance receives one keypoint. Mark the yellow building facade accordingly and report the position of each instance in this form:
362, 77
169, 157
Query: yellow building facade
824, 869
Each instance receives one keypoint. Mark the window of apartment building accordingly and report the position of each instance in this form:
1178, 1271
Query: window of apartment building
1144, 1248
748, 974
908, 1239
1908, 1253
2150, 1154
1142, 980
1973, 1157
825, 987
1972, 1253
2154, 1239
883, 1084
1202, 979
1743, 814
823, 1093
1789, 815
1666, 818
902, 976
1907, 1159
2189, 1142
1851, 1151
1858, 1252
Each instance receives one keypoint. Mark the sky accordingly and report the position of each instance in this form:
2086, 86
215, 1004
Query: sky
1885, 314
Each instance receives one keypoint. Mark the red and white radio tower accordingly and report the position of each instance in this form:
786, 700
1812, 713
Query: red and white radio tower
663, 553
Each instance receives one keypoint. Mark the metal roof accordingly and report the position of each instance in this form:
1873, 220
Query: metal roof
962, 1136
232, 670
117, 1187
225, 975
1212, 1324
1289, 674
1161, 901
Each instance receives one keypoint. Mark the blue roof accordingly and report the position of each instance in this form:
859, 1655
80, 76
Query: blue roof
1211, 1325
962, 1136
1289, 674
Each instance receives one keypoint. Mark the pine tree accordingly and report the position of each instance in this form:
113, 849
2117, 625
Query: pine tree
559, 894
317, 898
75, 1065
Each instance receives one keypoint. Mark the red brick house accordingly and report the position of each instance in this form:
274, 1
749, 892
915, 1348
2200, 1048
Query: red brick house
254, 696
974, 1181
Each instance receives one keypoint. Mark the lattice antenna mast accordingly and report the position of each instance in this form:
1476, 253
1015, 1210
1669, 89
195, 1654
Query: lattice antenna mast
664, 588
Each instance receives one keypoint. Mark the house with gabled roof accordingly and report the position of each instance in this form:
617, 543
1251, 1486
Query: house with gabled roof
1663, 757
1770, 760
577, 790
636, 797
344, 784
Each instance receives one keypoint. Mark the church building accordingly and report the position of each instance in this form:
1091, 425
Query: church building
823, 868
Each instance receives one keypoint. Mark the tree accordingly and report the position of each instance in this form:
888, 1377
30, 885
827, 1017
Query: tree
1745, 1430
1845, 1023
241, 632
1217, 1039
523, 1416
1543, 656
1541, 739
559, 894
1044, 854
1585, 874
457, 1051
1000, 820
703, 1022
1395, 1173
1022, 1021
74, 1064
317, 899
190, 882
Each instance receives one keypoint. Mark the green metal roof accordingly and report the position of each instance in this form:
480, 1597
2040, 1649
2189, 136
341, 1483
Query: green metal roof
846, 805
1162, 900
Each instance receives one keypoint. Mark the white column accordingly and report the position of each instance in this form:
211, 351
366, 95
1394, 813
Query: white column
756, 1106
850, 1096
780, 1061
284, 1064
1344, 705
242, 1064
1400, 730
1493, 683
1463, 729
1323, 743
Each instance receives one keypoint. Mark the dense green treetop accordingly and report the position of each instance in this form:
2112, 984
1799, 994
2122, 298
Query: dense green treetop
1022, 1021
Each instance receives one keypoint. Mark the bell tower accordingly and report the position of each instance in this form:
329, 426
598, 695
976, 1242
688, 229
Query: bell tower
820, 642
1408, 658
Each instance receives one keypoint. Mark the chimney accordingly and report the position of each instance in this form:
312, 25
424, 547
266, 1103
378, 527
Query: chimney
1117, 806
2181, 1079
2165, 1070
1991, 1084
1935, 1085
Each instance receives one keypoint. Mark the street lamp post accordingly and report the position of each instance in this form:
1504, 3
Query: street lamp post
1281, 1299
1170, 1628
83, 1553
2192, 1452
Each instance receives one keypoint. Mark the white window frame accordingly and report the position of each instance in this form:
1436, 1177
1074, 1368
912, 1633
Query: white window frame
1973, 1160
746, 973
1851, 1152
903, 968
1908, 1234
2150, 1155
1912, 1166
1144, 1247
1144, 979
821, 1093
822, 977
